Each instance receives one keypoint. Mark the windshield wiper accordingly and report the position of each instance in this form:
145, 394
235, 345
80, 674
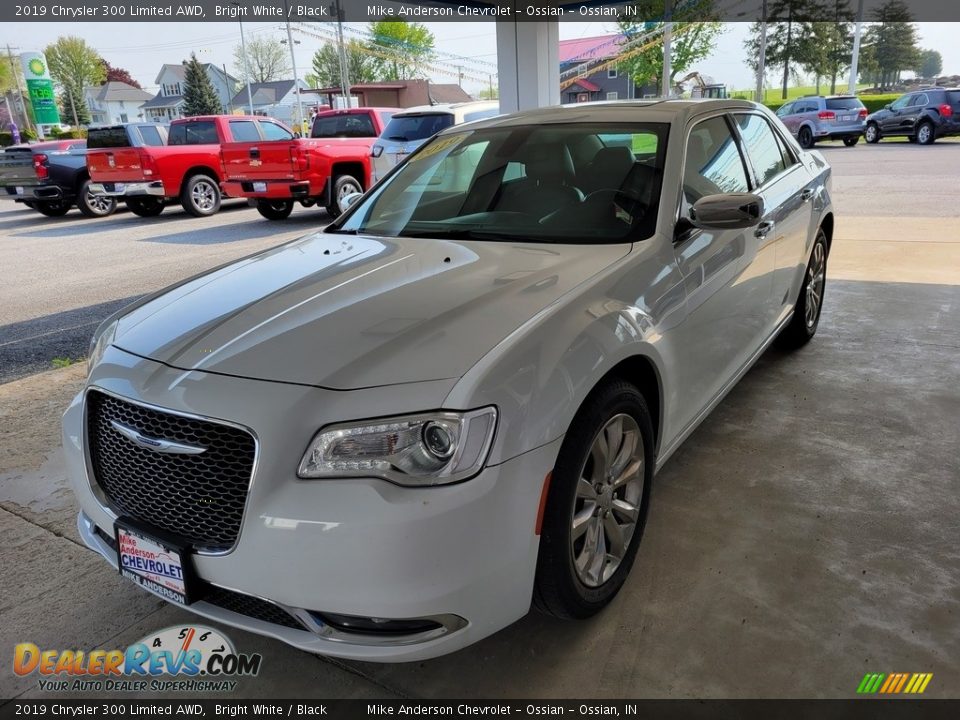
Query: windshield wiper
340, 231
401, 138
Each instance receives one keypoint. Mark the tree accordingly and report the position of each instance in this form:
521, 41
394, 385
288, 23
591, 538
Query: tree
361, 66
74, 65
930, 65
829, 52
402, 49
790, 38
692, 41
268, 60
118, 74
894, 41
199, 97
489, 93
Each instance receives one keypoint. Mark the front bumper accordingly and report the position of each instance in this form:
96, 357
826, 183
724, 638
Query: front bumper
132, 189
464, 554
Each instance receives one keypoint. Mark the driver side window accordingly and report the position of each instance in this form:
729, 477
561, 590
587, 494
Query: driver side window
900, 103
712, 163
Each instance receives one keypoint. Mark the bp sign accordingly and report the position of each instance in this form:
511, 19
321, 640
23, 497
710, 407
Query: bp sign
40, 88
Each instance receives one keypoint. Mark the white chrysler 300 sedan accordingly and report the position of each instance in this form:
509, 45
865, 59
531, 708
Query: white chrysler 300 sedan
383, 441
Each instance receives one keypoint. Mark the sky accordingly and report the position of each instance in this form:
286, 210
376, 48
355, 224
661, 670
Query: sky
142, 48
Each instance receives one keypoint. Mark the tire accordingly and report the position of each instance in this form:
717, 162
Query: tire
93, 206
52, 208
568, 584
275, 209
342, 185
30, 204
872, 133
805, 138
200, 195
925, 133
851, 141
806, 311
145, 206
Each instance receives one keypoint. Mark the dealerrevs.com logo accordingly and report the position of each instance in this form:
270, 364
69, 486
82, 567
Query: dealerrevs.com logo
199, 659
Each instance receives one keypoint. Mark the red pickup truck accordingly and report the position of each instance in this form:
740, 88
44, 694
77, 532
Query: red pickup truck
323, 169
187, 167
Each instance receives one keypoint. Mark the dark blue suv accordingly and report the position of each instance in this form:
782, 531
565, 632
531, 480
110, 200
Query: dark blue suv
921, 115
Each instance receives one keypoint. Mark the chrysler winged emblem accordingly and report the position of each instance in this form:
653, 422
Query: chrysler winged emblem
156, 444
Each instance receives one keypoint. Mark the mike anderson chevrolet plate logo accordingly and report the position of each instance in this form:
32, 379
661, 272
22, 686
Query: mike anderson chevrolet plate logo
156, 444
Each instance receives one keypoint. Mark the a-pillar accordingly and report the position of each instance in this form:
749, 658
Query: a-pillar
528, 60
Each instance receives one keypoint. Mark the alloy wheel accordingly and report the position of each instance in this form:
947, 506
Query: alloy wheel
203, 195
815, 280
607, 503
923, 133
100, 204
347, 188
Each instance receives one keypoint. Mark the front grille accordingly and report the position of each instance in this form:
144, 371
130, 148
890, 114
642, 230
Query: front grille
198, 498
252, 607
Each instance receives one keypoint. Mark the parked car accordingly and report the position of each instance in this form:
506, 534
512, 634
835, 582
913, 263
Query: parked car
186, 168
383, 440
115, 150
275, 169
815, 117
411, 128
51, 177
922, 116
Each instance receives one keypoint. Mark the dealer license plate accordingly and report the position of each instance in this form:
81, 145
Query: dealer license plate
151, 563
259, 187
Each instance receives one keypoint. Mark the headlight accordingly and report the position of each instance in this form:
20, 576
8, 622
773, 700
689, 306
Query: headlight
100, 341
417, 450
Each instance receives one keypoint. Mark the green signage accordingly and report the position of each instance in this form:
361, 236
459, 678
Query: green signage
40, 88
43, 100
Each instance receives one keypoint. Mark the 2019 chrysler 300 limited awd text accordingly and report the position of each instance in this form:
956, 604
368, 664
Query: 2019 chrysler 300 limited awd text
383, 441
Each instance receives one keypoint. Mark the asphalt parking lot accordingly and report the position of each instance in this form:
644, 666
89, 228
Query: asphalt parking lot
804, 535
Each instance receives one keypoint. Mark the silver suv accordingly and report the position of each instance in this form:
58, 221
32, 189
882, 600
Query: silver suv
815, 117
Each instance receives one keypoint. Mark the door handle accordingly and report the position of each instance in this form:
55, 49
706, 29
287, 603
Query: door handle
806, 194
763, 229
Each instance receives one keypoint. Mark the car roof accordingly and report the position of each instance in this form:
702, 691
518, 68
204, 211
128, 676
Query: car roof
447, 108
668, 111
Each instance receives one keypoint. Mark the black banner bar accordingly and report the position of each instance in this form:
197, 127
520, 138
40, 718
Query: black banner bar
872, 708
469, 10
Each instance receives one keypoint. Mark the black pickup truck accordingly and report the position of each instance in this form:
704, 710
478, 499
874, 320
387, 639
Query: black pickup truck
51, 177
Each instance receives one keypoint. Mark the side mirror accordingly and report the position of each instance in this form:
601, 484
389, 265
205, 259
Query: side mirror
347, 201
888, 106
728, 211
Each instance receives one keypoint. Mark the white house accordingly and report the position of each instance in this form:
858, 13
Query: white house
168, 104
275, 99
116, 102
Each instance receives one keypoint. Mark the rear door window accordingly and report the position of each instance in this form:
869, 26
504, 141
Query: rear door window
150, 135
244, 131
416, 127
920, 100
762, 147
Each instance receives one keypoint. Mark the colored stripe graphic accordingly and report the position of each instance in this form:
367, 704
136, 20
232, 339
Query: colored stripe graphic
894, 683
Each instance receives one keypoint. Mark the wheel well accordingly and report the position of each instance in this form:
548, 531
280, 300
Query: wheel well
827, 225
348, 168
82, 177
640, 371
201, 170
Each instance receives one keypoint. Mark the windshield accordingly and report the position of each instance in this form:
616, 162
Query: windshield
416, 127
570, 183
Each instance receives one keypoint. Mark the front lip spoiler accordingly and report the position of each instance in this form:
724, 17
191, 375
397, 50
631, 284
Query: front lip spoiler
314, 631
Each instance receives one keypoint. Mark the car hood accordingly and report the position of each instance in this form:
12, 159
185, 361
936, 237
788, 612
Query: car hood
347, 312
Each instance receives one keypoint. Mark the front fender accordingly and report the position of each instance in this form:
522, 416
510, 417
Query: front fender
540, 375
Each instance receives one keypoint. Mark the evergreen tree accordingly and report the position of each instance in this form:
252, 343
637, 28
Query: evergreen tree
199, 97
894, 41
73, 104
